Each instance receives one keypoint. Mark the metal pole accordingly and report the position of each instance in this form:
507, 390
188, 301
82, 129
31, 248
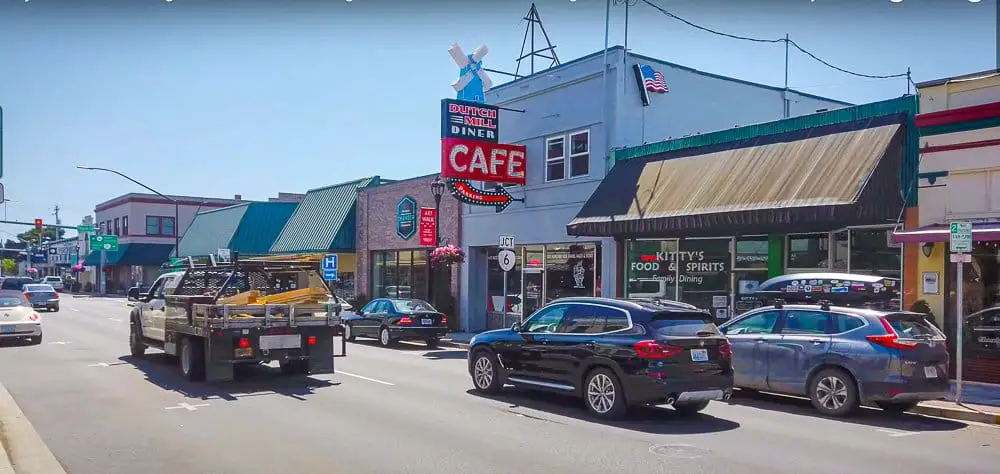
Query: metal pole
604, 85
177, 234
504, 297
958, 332
102, 281
784, 93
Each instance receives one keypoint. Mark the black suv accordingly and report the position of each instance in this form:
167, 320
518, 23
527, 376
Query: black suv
614, 353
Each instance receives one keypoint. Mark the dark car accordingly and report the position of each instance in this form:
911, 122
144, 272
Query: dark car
42, 296
16, 283
613, 353
840, 357
394, 319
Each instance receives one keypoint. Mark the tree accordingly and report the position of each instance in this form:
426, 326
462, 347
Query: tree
48, 233
9, 266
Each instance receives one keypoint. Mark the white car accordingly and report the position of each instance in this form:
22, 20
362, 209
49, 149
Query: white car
18, 320
55, 282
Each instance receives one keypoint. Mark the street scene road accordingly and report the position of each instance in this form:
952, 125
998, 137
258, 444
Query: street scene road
410, 409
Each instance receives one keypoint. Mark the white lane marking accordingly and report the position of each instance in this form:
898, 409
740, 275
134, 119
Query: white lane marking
61, 342
895, 433
115, 320
383, 382
74, 309
99, 364
187, 406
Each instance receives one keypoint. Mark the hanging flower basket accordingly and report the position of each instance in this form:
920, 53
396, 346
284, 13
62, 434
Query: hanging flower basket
447, 256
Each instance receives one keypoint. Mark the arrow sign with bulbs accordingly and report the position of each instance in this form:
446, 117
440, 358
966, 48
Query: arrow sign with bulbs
464, 191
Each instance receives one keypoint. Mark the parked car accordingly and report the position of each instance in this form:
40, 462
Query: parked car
54, 281
390, 320
17, 319
41, 295
613, 353
840, 357
16, 283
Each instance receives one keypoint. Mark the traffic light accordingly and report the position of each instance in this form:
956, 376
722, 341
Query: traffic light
38, 224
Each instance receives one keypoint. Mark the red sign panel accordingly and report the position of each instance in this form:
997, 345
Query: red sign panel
483, 161
428, 226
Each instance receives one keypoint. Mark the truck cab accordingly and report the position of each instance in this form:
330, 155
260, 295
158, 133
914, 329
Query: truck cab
150, 307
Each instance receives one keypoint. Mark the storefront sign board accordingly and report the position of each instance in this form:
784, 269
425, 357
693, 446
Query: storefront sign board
406, 218
478, 160
462, 119
428, 226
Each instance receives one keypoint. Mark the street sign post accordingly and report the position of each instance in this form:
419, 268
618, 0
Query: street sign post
506, 258
85, 229
960, 241
329, 267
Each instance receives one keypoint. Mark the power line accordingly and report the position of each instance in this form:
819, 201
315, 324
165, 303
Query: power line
778, 40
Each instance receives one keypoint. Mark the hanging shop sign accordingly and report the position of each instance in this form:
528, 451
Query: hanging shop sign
428, 226
464, 191
469, 120
476, 160
406, 218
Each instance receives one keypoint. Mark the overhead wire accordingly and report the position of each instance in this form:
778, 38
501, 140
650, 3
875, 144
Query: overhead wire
772, 41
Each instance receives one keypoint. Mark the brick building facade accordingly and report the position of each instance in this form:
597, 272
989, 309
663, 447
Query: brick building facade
390, 260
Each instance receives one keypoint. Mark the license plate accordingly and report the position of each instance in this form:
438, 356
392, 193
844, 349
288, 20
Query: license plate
7, 329
930, 372
426, 322
699, 355
243, 352
281, 341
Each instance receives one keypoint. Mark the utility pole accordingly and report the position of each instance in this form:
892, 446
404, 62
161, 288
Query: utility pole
55, 212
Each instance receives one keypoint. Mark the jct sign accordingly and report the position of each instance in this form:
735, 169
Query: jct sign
482, 161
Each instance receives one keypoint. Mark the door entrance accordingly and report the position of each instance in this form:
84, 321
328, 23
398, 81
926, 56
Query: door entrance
532, 291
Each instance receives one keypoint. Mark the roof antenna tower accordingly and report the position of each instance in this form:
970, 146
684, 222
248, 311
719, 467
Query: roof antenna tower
547, 53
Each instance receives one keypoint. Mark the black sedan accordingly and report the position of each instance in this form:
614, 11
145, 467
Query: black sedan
42, 296
394, 319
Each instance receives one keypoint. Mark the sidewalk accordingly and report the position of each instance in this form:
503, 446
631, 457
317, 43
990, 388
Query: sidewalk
20, 444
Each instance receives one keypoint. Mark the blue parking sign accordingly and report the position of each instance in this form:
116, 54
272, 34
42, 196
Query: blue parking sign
329, 267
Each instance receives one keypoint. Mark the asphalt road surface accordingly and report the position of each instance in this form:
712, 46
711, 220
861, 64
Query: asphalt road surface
410, 410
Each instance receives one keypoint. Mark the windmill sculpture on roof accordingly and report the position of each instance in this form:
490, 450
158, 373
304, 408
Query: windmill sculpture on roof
473, 82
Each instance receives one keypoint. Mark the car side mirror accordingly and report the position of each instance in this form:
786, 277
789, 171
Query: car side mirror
359, 312
724, 330
516, 327
133, 294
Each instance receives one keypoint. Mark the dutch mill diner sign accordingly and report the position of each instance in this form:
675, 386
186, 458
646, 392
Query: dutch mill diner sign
470, 147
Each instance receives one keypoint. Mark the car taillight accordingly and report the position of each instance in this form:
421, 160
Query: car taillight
33, 317
890, 340
244, 343
55, 295
655, 350
405, 321
726, 350
444, 319
27, 296
311, 340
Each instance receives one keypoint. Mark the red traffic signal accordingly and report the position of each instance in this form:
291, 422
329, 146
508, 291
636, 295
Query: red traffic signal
38, 224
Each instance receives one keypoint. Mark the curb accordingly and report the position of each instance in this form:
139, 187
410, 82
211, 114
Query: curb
962, 414
21, 443
457, 345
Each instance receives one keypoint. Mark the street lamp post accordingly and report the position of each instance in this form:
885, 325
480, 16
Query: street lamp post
176, 204
437, 190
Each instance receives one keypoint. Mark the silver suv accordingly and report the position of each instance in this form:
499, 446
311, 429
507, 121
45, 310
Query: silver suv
840, 357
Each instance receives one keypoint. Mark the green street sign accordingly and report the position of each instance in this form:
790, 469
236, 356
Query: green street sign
108, 243
960, 237
85, 228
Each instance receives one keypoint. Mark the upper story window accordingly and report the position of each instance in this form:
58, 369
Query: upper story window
567, 155
125, 225
160, 226
118, 229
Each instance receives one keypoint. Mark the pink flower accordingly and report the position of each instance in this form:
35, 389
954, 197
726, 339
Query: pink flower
447, 255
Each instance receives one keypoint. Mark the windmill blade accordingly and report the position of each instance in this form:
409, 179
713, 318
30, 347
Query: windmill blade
458, 55
462, 82
487, 83
480, 53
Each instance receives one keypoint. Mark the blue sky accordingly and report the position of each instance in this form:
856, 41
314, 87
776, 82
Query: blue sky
216, 98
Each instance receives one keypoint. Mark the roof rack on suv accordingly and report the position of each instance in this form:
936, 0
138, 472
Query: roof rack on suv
778, 303
824, 305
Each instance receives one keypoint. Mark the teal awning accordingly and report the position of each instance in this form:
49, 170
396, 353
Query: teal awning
133, 254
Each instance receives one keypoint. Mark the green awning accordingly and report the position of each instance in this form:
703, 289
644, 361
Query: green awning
133, 254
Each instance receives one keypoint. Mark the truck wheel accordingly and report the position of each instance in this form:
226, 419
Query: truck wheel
135, 344
192, 358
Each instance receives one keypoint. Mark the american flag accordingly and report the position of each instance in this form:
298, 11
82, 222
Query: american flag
653, 79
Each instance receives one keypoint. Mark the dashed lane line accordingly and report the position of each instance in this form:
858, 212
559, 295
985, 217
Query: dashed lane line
362, 377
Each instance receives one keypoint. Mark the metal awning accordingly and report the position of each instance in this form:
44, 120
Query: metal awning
819, 178
941, 233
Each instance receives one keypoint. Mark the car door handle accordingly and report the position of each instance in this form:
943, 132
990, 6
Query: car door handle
760, 339
816, 341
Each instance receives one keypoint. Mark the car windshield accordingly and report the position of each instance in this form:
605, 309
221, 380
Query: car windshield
413, 305
10, 302
683, 323
38, 288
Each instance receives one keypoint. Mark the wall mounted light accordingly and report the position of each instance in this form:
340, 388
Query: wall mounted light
927, 248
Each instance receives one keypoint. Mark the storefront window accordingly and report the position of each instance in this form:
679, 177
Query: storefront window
980, 311
751, 252
872, 254
532, 296
750, 271
494, 284
569, 270
704, 274
651, 269
809, 251
401, 274
841, 249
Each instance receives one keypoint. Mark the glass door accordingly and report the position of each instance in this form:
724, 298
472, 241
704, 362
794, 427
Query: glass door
532, 293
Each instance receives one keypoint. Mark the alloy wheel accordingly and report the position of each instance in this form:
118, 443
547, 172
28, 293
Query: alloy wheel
831, 392
483, 372
347, 332
601, 393
383, 337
